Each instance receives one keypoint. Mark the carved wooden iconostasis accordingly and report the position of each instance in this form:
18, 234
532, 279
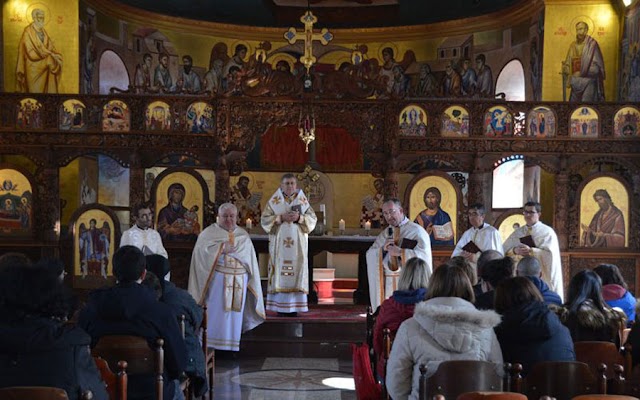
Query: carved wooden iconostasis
395, 114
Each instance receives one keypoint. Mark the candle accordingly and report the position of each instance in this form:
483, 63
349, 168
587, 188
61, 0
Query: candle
341, 225
249, 223
367, 226
323, 208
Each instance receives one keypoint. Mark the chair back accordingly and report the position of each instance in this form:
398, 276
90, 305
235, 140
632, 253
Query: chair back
455, 377
595, 353
33, 393
492, 396
604, 397
209, 354
116, 383
135, 350
562, 380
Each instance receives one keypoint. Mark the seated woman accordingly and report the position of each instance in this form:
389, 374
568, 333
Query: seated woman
37, 347
586, 314
445, 327
412, 289
530, 332
615, 290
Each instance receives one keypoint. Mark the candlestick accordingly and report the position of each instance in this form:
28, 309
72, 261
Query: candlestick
249, 224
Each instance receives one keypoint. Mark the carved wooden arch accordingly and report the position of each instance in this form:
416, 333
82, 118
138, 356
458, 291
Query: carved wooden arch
459, 212
208, 210
634, 212
152, 158
37, 157
35, 203
71, 154
621, 161
416, 160
68, 244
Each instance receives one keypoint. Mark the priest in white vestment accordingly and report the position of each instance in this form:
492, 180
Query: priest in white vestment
390, 252
224, 275
541, 242
480, 237
142, 236
288, 218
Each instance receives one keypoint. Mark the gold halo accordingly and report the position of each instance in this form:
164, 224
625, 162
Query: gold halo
232, 48
393, 47
587, 20
252, 179
289, 59
43, 7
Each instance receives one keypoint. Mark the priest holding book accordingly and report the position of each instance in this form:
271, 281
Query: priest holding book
540, 241
393, 247
480, 237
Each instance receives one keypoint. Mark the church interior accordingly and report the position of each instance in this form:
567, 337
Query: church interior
490, 102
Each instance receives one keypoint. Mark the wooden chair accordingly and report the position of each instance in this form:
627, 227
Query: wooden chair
38, 393
140, 358
492, 396
604, 397
595, 353
116, 383
560, 379
209, 354
460, 376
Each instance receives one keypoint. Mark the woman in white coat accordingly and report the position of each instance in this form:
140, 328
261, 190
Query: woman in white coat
445, 327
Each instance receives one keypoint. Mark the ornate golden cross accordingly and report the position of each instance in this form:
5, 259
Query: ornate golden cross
288, 242
292, 35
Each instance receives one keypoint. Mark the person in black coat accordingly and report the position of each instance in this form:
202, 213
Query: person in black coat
530, 332
530, 267
130, 308
493, 272
181, 303
38, 348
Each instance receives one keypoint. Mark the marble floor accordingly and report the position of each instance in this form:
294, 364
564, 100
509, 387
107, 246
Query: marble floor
276, 378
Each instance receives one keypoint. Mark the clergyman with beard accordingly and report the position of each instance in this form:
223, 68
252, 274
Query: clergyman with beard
189, 82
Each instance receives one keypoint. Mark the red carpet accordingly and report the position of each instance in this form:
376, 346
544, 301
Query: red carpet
344, 313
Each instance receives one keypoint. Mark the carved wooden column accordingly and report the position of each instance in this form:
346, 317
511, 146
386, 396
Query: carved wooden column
476, 185
47, 218
390, 184
136, 183
562, 205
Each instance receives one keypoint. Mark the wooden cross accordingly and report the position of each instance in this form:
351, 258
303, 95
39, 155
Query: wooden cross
292, 35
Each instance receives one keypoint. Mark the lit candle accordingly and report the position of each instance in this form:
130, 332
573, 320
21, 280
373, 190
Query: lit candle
323, 208
367, 226
341, 225
249, 223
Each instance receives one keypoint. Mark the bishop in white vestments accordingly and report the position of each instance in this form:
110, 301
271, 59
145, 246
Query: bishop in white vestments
393, 247
224, 275
288, 218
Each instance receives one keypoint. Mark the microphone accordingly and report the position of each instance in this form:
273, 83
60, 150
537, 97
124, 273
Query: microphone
390, 232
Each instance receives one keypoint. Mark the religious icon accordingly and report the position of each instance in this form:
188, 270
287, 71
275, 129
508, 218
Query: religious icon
16, 204
626, 122
73, 115
604, 213
179, 199
541, 122
94, 244
439, 218
116, 117
200, 118
413, 121
498, 122
454, 122
29, 114
158, 116
584, 122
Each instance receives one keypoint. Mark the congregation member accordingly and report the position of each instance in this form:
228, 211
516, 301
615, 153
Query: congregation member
585, 312
225, 276
529, 332
483, 259
494, 272
540, 241
461, 262
615, 291
412, 289
182, 304
480, 237
288, 219
38, 348
530, 268
142, 235
393, 247
445, 327
129, 308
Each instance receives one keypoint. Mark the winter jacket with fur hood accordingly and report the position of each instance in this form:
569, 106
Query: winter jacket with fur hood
441, 329
589, 323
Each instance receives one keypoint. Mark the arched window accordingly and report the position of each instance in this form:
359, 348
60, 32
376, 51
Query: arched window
511, 81
508, 182
113, 72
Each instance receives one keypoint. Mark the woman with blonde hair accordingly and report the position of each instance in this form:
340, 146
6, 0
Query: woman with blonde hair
446, 326
412, 289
